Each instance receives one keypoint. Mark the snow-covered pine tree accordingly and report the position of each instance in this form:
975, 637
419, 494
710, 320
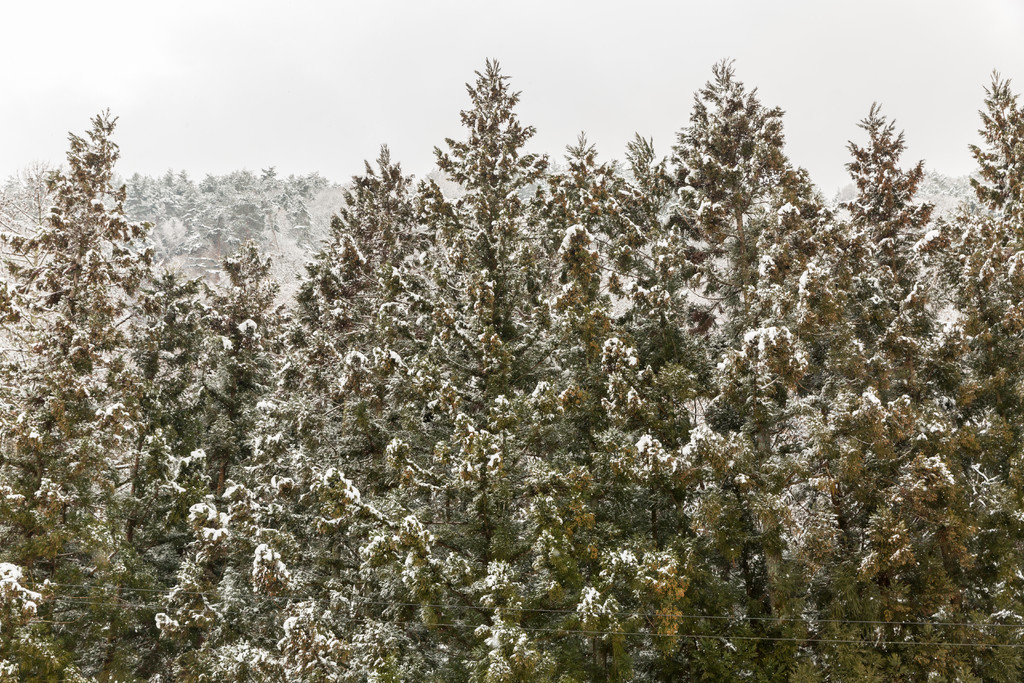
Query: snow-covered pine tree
614, 413
984, 277
883, 435
568, 420
492, 348
71, 406
329, 416
436, 396
729, 162
171, 341
371, 238
247, 323
221, 614
1000, 187
747, 218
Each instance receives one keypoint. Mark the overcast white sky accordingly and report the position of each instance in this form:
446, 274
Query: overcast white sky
211, 87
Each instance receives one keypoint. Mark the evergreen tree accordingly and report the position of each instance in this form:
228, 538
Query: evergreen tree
729, 162
886, 432
218, 615
331, 408
981, 253
748, 220
72, 406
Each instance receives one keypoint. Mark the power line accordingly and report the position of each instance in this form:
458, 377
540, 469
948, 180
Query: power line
708, 636
542, 610
655, 634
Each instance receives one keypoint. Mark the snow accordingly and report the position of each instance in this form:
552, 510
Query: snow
349, 491
204, 512
494, 461
614, 349
572, 233
929, 237
354, 357
213, 535
871, 398
541, 388
11, 576
267, 567
165, 623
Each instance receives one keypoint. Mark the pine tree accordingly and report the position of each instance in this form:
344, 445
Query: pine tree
172, 340
72, 407
218, 615
746, 220
982, 274
729, 163
330, 410
885, 439
372, 238
426, 411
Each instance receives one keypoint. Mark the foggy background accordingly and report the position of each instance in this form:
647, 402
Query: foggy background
219, 86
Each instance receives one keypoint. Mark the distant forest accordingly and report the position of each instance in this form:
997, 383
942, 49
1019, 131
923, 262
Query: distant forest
670, 418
